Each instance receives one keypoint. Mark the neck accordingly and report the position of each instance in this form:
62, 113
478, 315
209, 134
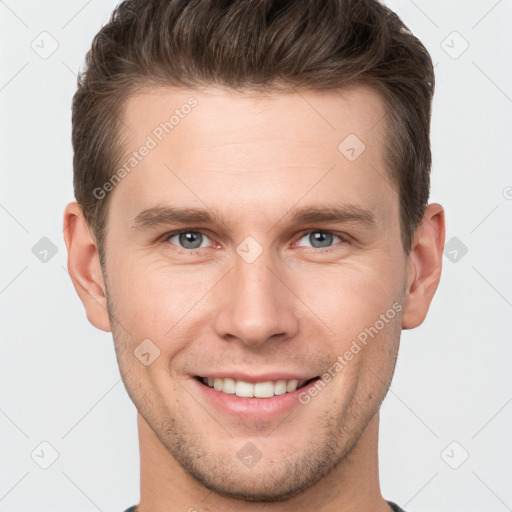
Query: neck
353, 485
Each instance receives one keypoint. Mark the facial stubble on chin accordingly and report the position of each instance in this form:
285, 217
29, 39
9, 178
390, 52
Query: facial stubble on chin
223, 473
267, 481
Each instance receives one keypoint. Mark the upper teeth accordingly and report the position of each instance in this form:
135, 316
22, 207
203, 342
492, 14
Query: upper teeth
259, 390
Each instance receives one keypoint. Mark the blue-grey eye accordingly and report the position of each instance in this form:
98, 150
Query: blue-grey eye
189, 239
320, 239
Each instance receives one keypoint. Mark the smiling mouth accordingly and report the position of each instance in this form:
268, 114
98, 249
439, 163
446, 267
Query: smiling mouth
267, 389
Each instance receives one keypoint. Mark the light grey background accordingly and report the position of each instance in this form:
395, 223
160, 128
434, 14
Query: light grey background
59, 380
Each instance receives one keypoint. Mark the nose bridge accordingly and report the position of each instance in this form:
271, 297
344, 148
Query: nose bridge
255, 304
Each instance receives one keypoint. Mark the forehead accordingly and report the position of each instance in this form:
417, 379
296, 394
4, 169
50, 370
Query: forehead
211, 114
256, 149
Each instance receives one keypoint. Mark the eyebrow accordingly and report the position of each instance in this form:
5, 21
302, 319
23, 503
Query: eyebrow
165, 215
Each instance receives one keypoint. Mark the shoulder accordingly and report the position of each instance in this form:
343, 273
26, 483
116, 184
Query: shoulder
393, 506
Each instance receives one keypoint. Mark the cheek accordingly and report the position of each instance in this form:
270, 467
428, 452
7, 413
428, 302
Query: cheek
148, 304
151, 299
361, 306
161, 304
350, 297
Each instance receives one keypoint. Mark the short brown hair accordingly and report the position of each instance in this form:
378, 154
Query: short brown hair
265, 45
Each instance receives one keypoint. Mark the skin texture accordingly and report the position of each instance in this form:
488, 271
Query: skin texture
253, 159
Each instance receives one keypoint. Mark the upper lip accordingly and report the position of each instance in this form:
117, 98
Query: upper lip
262, 377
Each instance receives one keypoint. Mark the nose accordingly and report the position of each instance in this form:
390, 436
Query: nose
254, 305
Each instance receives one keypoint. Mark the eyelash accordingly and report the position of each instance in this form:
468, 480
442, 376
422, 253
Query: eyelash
165, 239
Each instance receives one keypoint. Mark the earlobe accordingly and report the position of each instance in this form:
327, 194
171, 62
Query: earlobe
424, 266
84, 267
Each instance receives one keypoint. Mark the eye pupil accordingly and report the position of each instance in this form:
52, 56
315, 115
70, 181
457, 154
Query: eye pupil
190, 239
325, 239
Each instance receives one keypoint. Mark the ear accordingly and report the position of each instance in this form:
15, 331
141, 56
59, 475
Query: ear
424, 266
84, 267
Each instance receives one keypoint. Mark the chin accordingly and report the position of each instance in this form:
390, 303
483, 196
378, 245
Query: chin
260, 487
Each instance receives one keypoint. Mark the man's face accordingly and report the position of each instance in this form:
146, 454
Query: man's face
256, 294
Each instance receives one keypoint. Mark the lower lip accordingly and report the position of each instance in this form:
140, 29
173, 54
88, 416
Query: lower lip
253, 408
